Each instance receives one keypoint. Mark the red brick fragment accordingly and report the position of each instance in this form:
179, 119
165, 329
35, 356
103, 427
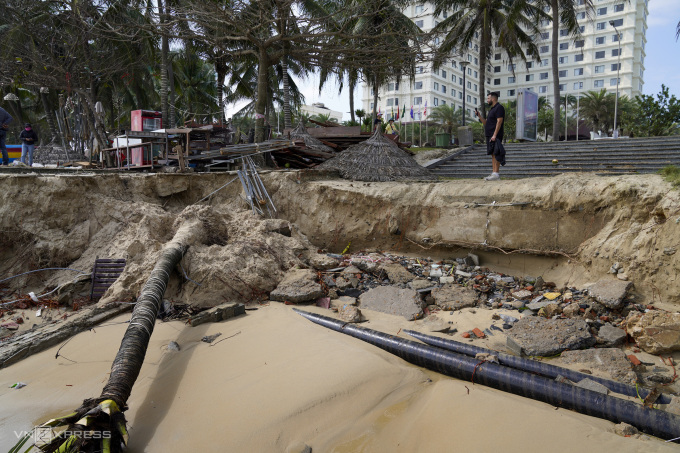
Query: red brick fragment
634, 360
529, 288
478, 333
465, 335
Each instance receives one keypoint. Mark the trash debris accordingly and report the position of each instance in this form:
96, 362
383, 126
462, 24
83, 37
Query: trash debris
18, 385
210, 338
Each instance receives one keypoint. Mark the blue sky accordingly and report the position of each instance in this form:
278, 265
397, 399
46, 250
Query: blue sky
662, 62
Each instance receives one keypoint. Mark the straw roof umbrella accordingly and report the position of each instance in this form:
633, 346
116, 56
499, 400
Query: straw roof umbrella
300, 133
377, 159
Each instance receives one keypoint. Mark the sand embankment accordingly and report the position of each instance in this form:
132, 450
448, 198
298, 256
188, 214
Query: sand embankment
282, 381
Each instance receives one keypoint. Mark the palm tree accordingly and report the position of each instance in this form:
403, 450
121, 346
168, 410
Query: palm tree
360, 113
448, 117
563, 14
508, 24
195, 82
597, 109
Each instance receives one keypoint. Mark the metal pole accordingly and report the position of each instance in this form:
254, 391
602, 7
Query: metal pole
566, 118
615, 134
463, 64
578, 107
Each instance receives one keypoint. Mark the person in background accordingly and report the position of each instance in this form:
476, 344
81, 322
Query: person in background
377, 123
391, 128
28, 140
493, 130
5, 120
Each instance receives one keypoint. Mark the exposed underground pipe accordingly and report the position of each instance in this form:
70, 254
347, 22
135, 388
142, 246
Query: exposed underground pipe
532, 366
655, 422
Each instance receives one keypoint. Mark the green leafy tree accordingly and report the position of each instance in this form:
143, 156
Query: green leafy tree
449, 118
501, 24
655, 115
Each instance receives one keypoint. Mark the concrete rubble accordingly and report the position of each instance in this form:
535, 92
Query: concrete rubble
297, 286
655, 332
395, 301
537, 336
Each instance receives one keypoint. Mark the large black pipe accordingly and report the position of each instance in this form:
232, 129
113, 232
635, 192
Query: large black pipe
655, 422
532, 366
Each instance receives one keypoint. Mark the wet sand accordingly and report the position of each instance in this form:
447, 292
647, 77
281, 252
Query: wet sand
281, 381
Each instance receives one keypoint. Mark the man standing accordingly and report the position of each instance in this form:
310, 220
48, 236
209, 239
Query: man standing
5, 119
28, 138
493, 130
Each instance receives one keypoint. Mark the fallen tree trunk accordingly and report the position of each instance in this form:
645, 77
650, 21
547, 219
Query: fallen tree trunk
99, 425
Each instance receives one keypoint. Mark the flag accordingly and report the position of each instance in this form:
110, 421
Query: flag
397, 113
392, 112
425, 108
403, 114
411, 111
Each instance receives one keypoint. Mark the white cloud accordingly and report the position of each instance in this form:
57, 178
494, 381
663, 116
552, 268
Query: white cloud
663, 13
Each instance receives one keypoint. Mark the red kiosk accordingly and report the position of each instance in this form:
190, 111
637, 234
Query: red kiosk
144, 121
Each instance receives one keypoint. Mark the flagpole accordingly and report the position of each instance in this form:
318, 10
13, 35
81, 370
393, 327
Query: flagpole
427, 133
420, 127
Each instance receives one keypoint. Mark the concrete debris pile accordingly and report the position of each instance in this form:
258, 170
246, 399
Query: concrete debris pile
548, 320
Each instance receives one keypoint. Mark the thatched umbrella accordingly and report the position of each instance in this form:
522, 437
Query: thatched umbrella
377, 159
300, 133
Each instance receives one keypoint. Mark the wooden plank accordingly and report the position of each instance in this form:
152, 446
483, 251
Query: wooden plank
327, 143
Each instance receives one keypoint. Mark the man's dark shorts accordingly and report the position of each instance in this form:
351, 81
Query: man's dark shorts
490, 144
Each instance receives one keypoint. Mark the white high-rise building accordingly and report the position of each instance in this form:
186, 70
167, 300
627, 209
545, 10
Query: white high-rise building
588, 64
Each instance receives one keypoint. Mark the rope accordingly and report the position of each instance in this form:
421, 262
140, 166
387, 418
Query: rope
474, 371
45, 269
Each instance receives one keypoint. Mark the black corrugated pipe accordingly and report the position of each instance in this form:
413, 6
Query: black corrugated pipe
532, 366
655, 422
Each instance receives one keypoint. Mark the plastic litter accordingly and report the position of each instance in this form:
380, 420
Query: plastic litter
18, 385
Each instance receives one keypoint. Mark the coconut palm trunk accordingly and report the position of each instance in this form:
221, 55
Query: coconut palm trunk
104, 415
165, 49
555, 70
287, 120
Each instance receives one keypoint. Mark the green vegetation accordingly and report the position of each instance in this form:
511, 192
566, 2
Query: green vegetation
671, 173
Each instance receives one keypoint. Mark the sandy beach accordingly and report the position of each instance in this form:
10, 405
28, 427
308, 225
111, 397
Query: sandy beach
277, 382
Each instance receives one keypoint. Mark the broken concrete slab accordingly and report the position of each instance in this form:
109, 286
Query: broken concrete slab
322, 262
594, 386
610, 293
610, 336
454, 297
420, 283
216, 314
397, 274
350, 313
434, 323
297, 286
366, 266
447, 280
342, 283
612, 361
656, 332
394, 301
542, 337
351, 270
343, 300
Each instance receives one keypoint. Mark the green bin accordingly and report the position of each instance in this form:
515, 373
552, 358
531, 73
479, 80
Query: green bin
442, 140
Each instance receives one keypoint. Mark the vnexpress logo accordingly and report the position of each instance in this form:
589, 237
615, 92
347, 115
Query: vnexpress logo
43, 434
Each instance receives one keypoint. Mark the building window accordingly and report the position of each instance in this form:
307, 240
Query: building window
436, 86
564, 46
511, 80
581, 15
469, 71
612, 82
578, 85
563, 60
476, 60
445, 14
453, 78
460, 95
563, 87
474, 86
530, 64
436, 102
545, 35
543, 76
529, 78
417, 100
420, 69
543, 89
443, 74
616, 66
578, 57
618, 8
615, 52
599, 54
497, 56
545, 62
496, 81
564, 33
419, 9
436, 71
469, 85
581, 28
578, 44
511, 92
418, 85
419, 23
469, 98
600, 40
443, 88
617, 23
371, 107
599, 69
599, 83
454, 64
544, 49
562, 73
602, 11
615, 38
390, 102
601, 25
390, 87
578, 71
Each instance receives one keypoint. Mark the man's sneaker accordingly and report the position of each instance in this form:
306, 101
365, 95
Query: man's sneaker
493, 177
